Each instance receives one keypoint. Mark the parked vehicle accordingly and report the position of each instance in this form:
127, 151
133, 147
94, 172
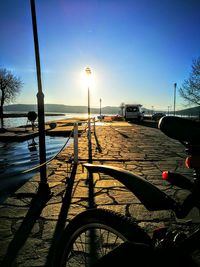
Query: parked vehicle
134, 112
157, 116
99, 237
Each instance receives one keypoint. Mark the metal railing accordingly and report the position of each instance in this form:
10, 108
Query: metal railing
72, 158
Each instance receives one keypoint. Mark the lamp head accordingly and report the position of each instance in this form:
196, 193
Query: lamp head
88, 71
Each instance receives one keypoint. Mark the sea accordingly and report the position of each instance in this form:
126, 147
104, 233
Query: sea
20, 121
16, 157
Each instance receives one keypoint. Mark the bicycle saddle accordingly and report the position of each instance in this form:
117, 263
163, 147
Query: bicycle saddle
181, 129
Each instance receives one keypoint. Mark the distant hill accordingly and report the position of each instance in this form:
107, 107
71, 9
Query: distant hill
195, 111
60, 108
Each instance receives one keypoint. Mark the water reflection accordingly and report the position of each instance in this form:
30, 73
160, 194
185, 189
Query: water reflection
33, 145
16, 157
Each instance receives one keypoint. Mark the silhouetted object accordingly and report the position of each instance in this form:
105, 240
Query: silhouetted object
122, 107
175, 98
157, 116
88, 73
40, 102
145, 256
90, 176
32, 146
52, 125
9, 88
190, 89
100, 109
32, 116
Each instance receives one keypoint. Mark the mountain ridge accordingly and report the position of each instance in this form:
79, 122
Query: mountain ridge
61, 108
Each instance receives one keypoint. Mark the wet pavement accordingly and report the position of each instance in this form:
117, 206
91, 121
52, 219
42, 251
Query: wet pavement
31, 220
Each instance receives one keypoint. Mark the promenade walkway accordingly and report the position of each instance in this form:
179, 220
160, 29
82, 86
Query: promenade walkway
31, 222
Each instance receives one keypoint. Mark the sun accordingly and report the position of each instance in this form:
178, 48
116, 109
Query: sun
87, 77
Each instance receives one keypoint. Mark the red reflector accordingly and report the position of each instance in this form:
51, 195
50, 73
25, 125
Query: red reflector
193, 162
165, 175
188, 162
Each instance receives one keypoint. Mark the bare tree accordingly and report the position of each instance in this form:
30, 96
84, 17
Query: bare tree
10, 86
190, 89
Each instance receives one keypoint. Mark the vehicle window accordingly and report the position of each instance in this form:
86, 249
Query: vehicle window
132, 109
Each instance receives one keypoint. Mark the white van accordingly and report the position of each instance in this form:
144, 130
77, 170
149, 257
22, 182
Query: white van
134, 112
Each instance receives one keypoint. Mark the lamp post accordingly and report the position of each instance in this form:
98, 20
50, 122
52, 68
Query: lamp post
168, 110
100, 108
152, 109
88, 74
175, 98
90, 175
40, 102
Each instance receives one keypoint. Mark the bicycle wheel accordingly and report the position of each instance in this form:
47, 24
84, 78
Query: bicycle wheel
94, 233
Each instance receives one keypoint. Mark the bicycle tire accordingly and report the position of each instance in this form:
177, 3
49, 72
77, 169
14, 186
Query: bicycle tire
95, 223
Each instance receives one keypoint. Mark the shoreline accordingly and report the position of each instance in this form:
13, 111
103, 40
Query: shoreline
18, 115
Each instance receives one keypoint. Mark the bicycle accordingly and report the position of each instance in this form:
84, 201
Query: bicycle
95, 234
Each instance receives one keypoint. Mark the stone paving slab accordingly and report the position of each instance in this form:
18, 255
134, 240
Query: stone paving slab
138, 148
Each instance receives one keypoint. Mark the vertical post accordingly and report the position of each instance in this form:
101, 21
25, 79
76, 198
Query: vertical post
175, 99
89, 130
40, 101
94, 126
75, 143
100, 109
90, 175
152, 109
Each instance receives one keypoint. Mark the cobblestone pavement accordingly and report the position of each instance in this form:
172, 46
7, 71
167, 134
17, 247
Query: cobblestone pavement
31, 220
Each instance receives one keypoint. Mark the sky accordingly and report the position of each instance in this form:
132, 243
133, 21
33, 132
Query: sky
136, 50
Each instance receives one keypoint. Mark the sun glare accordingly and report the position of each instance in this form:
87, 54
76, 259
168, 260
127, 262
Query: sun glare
87, 78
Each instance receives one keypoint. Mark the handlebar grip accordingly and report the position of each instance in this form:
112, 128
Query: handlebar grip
178, 180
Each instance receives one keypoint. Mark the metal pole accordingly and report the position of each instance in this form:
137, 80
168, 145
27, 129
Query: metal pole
90, 175
94, 126
175, 99
76, 143
40, 101
100, 108
89, 130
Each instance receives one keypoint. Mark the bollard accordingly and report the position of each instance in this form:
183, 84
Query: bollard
94, 125
76, 143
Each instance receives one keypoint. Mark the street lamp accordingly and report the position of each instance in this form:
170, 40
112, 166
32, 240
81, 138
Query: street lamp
100, 108
89, 180
168, 110
175, 98
88, 75
40, 102
152, 109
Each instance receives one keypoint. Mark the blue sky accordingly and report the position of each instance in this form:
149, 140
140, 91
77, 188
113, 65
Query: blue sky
136, 49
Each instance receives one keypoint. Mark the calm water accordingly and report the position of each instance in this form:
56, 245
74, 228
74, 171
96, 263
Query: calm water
16, 157
15, 122
20, 156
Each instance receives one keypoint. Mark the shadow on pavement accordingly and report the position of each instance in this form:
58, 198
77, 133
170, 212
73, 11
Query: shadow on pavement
147, 123
60, 226
150, 123
36, 206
